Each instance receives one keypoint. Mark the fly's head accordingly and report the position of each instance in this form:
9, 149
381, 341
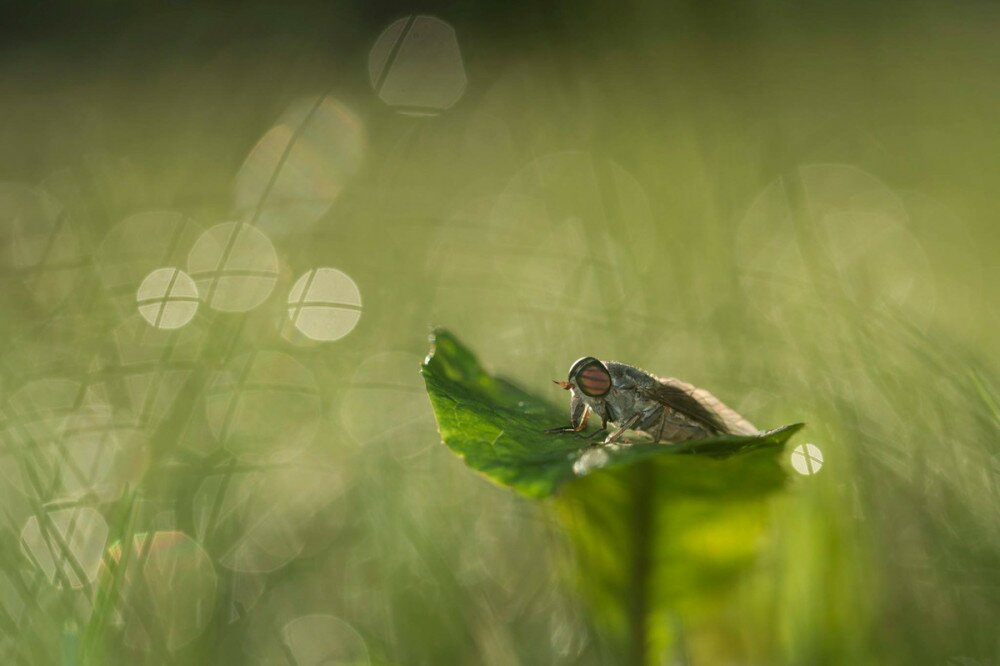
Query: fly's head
589, 377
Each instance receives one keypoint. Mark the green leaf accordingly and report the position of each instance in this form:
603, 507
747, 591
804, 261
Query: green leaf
498, 427
659, 530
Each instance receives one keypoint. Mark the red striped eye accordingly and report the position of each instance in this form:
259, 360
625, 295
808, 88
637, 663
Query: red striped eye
594, 380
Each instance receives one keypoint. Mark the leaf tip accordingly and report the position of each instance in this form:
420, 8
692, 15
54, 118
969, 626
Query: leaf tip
436, 335
784, 433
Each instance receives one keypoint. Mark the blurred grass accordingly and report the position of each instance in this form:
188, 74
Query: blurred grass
600, 190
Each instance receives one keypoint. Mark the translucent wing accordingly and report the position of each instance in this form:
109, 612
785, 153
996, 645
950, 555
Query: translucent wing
699, 405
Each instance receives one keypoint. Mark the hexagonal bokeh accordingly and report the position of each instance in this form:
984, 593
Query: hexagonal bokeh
234, 265
259, 521
416, 66
832, 231
386, 403
292, 624
317, 640
60, 441
66, 545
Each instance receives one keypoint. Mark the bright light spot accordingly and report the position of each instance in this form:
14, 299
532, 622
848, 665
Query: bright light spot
324, 304
66, 544
416, 66
807, 459
235, 267
167, 298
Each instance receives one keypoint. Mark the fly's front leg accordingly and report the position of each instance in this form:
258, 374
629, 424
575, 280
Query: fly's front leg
627, 424
598, 434
579, 413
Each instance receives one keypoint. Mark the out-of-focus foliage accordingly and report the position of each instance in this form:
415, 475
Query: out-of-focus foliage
654, 526
792, 206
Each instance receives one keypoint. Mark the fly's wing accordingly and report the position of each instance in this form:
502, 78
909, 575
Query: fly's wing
700, 405
683, 402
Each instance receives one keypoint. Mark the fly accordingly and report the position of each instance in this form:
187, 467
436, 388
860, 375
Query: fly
628, 398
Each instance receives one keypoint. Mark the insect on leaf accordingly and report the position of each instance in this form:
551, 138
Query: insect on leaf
497, 428
658, 530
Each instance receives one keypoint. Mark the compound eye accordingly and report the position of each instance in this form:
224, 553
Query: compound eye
594, 380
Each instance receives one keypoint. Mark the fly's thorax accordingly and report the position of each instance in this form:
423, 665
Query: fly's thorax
624, 375
625, 402
615, 406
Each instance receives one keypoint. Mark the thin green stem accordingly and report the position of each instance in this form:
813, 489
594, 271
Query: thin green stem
641, 535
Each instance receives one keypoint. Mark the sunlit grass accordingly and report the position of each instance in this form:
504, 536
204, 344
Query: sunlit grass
797, 216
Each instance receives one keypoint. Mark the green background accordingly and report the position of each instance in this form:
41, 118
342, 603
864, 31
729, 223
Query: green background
792, 204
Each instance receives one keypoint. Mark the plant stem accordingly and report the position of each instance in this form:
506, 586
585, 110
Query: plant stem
641, 528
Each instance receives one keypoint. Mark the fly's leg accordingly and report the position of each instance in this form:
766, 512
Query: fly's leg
600, 433
558, 430
572, 427
658, 435
627, 424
